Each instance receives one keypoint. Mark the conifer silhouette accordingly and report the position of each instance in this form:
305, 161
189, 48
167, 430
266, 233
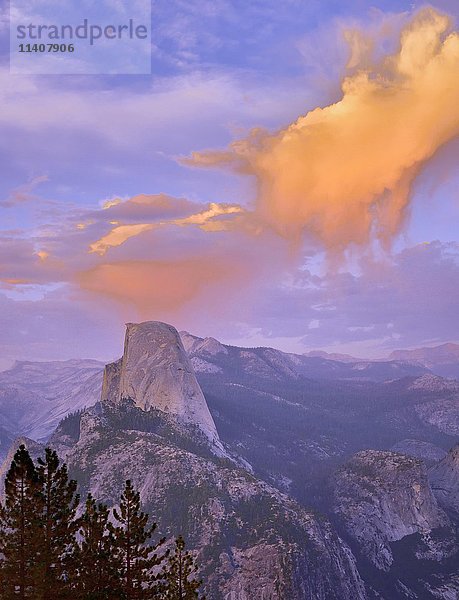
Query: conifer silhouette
46, 553
21, 529
132, 535
179, 575
59, 502
95, 567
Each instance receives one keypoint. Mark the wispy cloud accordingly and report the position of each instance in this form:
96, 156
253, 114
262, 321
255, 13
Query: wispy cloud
23, 193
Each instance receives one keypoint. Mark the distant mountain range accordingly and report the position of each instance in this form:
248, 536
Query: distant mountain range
346, 358
442, 360
35, 396
209, 355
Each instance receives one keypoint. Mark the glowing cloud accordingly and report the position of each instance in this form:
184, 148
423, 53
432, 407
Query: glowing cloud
158, 285
42, 255
206, 219
117, 236
344, 173
109, 203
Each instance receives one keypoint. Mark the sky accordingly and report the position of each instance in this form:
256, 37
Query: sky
285, 176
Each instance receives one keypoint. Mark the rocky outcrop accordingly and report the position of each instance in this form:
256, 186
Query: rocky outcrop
444, 479
251, 541
382, 497
445, 588
111, 382
425, 451
440, 402
156, 374
442, 413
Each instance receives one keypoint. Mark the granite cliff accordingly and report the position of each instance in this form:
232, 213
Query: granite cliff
156, 374
382, 497
444, 479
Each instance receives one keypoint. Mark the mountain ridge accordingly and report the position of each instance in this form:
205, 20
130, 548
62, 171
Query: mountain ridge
245, 510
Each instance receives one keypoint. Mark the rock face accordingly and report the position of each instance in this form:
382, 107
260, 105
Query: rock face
155, 373
442, 414
251, 541
381, 497
444, 479
111, 382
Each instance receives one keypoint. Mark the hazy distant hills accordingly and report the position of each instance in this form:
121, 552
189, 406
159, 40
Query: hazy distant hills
210, 356
294, 418
346, 358
35, 396
442, 360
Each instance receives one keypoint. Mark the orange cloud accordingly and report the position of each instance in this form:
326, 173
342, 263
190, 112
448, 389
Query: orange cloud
207, 219
42, 255
117, 236
11, 282
344, 173
163, 286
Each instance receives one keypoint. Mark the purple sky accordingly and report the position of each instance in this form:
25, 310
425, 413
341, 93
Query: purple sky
210, 195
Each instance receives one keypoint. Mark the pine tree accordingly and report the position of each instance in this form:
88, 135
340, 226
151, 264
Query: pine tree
179, 575
96, 569
132, 535
60, 503
21, 528
48, 554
